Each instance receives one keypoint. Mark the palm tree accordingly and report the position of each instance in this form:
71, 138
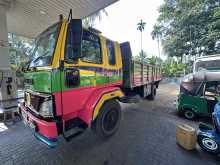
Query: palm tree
140, 27
156, 34
89, 21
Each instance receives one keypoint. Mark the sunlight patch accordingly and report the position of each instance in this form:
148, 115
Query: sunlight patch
3, 127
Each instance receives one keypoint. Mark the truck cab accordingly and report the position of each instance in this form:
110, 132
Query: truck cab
72, 72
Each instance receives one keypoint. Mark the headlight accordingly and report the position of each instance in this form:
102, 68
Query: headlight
46, 109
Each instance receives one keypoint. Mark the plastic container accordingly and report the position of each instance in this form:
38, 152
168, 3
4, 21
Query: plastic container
186, 136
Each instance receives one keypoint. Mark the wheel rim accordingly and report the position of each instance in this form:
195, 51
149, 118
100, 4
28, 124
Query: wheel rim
189, 114
210, 144
110, 120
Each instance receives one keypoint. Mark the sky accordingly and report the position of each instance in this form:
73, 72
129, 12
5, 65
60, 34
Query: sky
121, 23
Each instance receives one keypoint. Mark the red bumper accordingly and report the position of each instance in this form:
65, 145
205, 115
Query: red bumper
47, 129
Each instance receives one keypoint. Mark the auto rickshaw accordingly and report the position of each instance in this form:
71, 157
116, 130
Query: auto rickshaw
198, 94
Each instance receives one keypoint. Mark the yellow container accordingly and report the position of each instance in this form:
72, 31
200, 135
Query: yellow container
186, 136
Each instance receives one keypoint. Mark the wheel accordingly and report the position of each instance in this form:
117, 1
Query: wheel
208, 144
153, 93
189, 114
108, 119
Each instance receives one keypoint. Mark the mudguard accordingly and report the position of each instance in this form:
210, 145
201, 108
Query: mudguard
95, 102
210, 133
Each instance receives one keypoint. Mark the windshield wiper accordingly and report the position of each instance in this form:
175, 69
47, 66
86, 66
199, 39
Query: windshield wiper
38, 58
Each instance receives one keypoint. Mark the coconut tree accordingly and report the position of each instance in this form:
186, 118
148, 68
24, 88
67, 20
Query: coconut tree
89, 21
140, 27
156, 34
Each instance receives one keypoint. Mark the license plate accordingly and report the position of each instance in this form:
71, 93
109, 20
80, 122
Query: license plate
24, 116
28, 123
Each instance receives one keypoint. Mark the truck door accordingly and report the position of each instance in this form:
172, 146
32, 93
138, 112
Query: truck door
113, 67
84, 75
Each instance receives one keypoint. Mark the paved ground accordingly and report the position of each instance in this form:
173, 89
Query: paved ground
146, 136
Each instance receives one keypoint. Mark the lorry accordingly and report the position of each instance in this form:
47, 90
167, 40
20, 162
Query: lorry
76, 79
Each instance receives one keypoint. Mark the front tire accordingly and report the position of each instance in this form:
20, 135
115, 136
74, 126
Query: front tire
208, 144
108, 119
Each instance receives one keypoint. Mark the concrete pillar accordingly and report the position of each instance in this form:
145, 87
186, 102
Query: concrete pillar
4, 50
7, 77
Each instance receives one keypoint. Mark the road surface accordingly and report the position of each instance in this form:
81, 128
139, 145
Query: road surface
146, 136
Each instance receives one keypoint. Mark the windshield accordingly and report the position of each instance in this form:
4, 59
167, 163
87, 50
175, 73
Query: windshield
44, 47
207, 65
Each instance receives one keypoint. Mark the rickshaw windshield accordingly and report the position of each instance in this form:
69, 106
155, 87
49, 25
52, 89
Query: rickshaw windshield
207, 65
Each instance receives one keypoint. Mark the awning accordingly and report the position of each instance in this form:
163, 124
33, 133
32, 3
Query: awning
30, 17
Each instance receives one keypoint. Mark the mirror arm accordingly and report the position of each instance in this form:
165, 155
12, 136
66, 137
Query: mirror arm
61, 66
70, 17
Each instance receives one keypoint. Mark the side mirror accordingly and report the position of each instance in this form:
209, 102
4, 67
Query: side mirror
74, 41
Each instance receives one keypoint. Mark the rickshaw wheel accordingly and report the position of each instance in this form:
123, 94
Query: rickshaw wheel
189, 114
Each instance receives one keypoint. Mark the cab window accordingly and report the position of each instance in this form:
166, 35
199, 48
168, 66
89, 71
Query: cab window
91, 49
111, 52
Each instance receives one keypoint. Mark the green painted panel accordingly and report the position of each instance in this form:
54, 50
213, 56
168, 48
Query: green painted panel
54, 80
41, 81
195, 103
114, 78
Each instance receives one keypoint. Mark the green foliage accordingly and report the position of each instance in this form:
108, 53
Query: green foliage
172, 68
153, 60
141, 25
189, 27
90, 20
19, 51
156, 33
139, 56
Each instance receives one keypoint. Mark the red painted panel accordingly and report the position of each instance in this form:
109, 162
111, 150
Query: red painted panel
87, 112
58, 100
47, 129
75, 101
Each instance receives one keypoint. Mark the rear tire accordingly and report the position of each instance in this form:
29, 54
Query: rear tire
189, 114
108, 119
153, 93
208, 144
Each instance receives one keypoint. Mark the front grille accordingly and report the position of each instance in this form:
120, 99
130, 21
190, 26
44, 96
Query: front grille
33, 101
